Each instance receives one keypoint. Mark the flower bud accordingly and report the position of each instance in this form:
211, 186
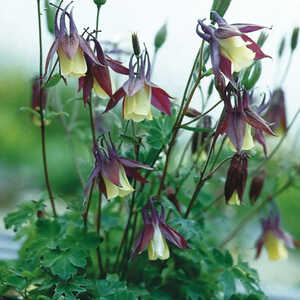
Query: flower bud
160, 37
192, 113
294, 39
281, 47
135, 44
171, 194
99, 2
236, 179
256, 186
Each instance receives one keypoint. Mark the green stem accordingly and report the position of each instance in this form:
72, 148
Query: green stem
92, 122
86, 212
42, 116
181, 115
97, 20
98, 227
286, 71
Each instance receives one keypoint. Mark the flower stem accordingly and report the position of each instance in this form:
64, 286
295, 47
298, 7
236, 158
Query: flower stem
180, 118
92, 120
98, 227
97, 20
42, 115
86, 212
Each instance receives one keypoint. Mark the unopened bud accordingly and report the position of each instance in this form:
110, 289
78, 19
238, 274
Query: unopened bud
256, 186
192, 113
220, 84
99, 2
294, 39
135, 44
160, 37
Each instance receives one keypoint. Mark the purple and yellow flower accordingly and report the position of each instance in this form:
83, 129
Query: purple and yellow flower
236, 179
112, 172
70, 47
237, 121
230, 48
274, 239
154, 235
98, 75
276, 112
139, 93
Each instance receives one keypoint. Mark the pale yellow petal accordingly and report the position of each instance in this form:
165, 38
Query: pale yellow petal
235, 49
158, 248
75, 67
234, 199
138, 106
275, 247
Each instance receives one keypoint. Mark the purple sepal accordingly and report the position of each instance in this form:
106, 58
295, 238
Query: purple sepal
255, 48
116, 66
245, 28
117, 96
130, 163
160, 100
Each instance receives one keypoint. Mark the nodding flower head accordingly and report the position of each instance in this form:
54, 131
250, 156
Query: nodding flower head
236, 179
70, 46
237, 121
139, 92
273, 238
229, 45
112, 171
154, 235
276, 112
98, 74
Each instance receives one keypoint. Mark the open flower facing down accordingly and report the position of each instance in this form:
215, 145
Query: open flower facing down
276, 112
274, 238
98, 76
236, 121
111, 171
229, 45
139, 93
155, 233
236, 179
70, 47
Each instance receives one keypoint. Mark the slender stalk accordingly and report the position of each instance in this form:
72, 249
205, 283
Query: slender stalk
218, 153
42, 115
252, 214
86, 212
202, 115
97, 20
199, 184
286, 71
184, 152
178, 123
92, 122
98, 227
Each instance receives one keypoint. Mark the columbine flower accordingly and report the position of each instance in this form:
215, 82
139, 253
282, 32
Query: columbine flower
236, 179
139, 93
155, 233
236, 122
69, 47
111, 171
276, 113
229, 45
97, 76
274, 238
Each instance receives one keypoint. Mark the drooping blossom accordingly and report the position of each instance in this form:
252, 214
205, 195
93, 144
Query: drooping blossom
236, 179
237, 121
273, 238
112, 172
231, 49
98, 75
139, 93
154, 235
276, 112
70, 47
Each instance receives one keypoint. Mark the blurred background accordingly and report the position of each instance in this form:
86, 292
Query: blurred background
21, 177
